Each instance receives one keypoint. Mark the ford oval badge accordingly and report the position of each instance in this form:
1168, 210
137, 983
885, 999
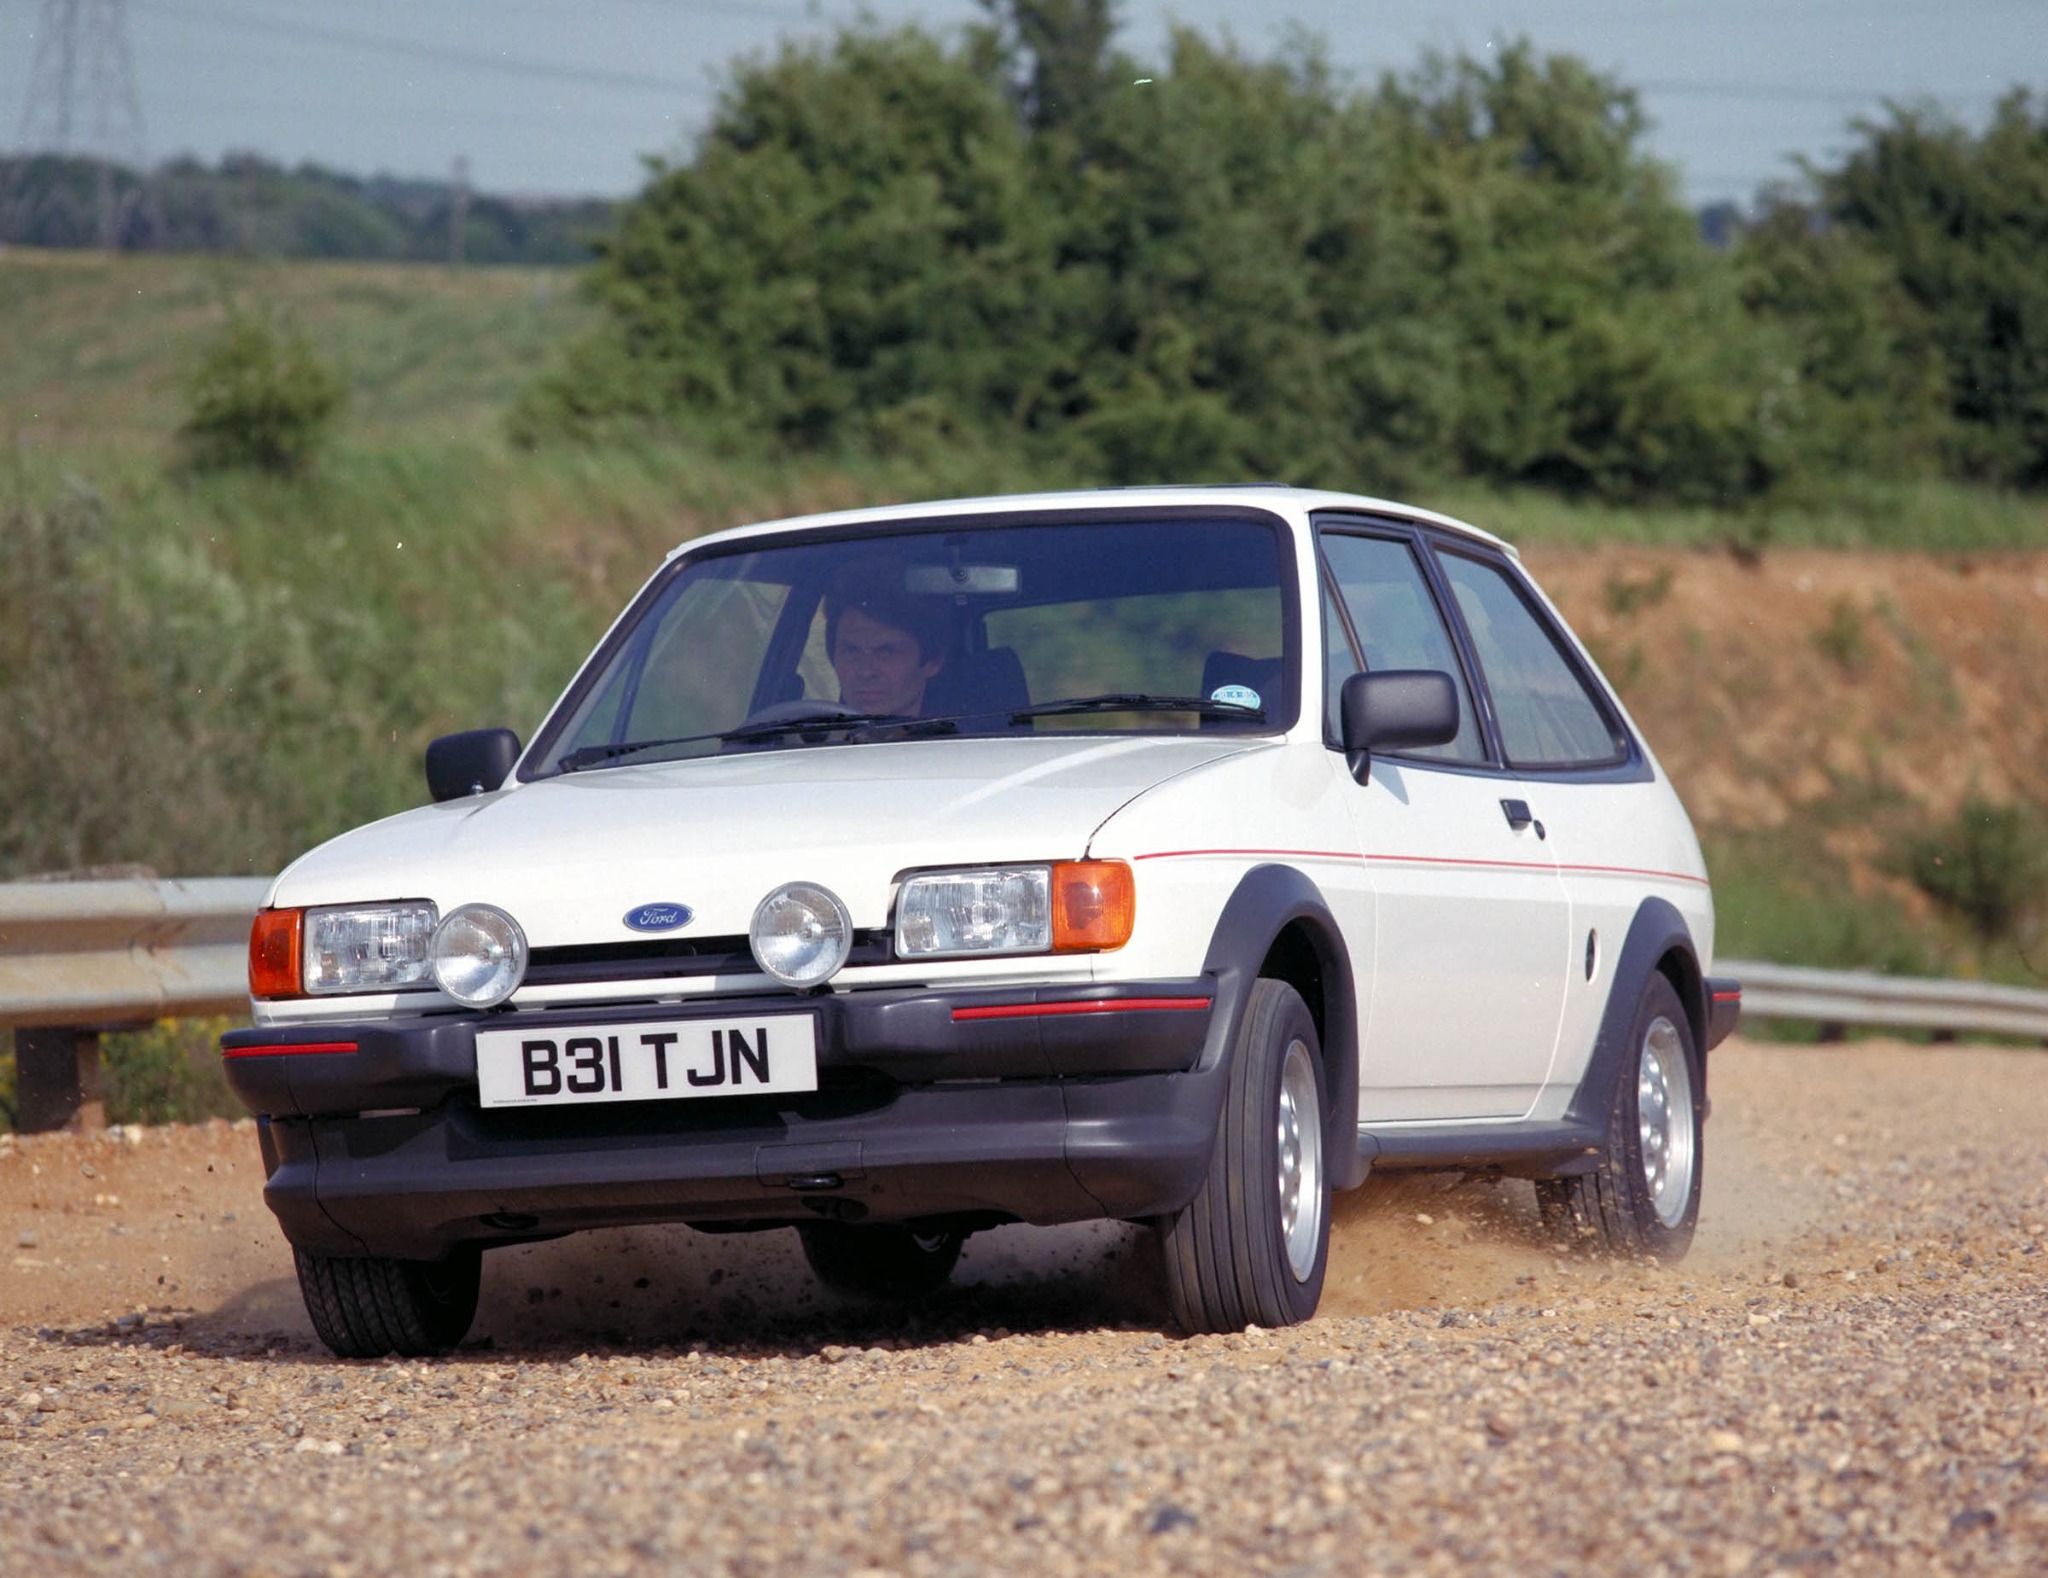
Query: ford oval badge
660, 917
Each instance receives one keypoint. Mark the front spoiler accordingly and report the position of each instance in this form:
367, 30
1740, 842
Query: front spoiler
1058, 1117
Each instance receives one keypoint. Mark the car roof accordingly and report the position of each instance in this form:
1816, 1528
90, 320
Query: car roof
1278, 497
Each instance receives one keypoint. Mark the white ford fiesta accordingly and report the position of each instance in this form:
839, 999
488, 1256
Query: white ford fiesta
1169, 855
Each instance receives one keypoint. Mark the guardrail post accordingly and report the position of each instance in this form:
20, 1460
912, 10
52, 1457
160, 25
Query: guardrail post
57, 1079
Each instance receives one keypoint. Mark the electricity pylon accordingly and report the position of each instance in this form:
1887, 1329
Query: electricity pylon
81, 101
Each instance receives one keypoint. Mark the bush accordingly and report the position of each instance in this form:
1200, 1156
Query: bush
261, 397
169, 1073
1989, 865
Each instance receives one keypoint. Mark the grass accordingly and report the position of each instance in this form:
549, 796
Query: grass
1929, 515
1777, 898
98, 347
262, 660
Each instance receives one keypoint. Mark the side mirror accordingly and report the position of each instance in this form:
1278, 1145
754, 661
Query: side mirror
1393, 708
475, 762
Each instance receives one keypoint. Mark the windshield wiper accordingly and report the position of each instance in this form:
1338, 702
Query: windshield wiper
1140, 701
759, 729
861, 726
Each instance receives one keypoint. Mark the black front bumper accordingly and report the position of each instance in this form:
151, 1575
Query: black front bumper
1036, 1104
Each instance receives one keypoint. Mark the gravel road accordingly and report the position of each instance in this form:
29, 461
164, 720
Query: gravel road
1849, 1374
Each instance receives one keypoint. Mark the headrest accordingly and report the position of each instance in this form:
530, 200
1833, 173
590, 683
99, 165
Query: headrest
976, 682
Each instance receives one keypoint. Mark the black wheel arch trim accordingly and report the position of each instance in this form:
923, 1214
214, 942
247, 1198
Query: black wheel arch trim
1268, 900
1657, 933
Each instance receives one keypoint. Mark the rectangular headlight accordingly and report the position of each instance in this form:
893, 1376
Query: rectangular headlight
368, 947
951, 913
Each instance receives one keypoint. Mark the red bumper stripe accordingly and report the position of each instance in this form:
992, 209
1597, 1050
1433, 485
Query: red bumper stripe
1727, 997
1105, 1005
284, 1048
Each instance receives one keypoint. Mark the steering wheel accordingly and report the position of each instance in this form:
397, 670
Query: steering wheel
802, 710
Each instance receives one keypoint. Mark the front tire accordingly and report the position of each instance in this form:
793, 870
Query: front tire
1254, 1243
880, 1261
1644, 1198
366, 1308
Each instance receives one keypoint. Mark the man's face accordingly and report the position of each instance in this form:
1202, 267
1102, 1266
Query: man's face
879, 666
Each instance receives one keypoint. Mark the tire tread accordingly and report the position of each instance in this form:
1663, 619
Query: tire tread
1224, 1259
364, 1308
1607, 1207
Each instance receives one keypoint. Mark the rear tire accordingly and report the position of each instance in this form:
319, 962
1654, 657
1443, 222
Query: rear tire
1253, 1245
1644, 1197
364, 1309
880, 1261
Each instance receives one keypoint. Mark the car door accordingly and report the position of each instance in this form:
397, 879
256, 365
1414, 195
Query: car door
1614, 828
1469, 954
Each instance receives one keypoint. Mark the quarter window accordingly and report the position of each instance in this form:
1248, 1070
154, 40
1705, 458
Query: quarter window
1547, 715
1398, 625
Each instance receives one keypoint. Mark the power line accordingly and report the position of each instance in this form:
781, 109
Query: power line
445, 54
1783, 93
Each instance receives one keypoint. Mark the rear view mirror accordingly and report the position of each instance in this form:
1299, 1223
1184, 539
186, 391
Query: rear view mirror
973, 580
474, 762
1394, 709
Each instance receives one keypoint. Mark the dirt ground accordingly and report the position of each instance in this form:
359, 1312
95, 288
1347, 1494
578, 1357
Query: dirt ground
1849, 1373
1772, 686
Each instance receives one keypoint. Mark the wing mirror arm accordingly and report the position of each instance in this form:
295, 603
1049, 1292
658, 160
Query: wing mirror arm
1391, 709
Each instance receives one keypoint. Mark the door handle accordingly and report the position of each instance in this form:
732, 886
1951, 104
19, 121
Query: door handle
1519, 816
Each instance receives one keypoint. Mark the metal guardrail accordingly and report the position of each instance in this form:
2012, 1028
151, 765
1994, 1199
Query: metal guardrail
1895, 1002
78, 958
95, 953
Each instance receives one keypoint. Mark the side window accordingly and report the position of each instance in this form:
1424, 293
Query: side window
1398, 625
1547, 716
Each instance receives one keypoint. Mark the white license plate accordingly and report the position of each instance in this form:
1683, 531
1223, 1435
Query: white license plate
739, 1056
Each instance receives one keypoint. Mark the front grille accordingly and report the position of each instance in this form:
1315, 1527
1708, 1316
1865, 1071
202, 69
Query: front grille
670, 956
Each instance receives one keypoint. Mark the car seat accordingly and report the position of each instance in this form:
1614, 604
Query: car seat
991, 681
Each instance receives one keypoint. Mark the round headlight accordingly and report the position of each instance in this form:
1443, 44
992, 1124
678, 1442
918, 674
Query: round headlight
801, 934
479, 955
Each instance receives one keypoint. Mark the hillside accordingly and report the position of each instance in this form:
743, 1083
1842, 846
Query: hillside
1822, 713
98, 347
270, 656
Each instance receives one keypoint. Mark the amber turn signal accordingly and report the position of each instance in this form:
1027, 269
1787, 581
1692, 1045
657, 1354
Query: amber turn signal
1094, 905
274, 954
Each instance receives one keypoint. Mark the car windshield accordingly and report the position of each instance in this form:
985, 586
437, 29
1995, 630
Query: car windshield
1143, 625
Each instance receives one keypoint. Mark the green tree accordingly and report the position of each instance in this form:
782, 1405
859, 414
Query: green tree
1870, 394
1226, 267
1588, 339
1963, 220
855, 255
1057, 58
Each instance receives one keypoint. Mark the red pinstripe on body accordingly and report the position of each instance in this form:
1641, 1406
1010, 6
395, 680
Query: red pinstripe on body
1431, 860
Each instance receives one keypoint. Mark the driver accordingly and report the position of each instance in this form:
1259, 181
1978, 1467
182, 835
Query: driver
884, 643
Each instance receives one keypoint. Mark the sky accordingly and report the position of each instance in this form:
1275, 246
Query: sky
564, 97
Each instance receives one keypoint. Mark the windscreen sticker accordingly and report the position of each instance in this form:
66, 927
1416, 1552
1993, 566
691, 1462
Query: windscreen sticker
1235, 696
